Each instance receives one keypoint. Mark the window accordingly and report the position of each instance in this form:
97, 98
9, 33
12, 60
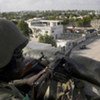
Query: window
52, 31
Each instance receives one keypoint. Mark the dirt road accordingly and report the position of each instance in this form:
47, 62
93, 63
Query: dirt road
92, 50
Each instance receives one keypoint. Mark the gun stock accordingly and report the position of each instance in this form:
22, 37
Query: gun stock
31, 65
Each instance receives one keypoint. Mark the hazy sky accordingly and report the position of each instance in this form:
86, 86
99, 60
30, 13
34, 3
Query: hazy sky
16, 5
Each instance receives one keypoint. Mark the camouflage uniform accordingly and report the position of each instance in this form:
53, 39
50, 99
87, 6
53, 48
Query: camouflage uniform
9, 92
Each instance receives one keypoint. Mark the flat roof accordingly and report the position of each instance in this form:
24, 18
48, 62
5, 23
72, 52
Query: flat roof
46, 20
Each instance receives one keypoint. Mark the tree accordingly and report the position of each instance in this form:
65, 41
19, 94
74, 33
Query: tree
83, 22
86, 21
79, 22
47, 39
23, 26
65, 21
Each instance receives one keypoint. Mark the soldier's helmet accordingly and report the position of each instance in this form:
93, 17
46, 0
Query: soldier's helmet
10, 40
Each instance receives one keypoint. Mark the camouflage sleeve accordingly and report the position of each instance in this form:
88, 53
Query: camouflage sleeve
6, 93
10, 92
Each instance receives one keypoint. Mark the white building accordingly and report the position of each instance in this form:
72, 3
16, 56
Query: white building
50, 27
61, 43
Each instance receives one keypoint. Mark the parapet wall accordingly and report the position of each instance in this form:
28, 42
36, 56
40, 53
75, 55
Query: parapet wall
76, 42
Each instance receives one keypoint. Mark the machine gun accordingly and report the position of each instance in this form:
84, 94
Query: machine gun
54, 71
43, 77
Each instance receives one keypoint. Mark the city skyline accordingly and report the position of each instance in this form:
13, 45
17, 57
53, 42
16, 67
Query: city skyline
15, 5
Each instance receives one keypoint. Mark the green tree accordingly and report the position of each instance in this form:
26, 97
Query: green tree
47, 39
23, 26
86, 21
65, 21
83, 22
79, 22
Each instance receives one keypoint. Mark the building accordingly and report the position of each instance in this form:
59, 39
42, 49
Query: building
50, 27
97, 12
96, 24
61, 43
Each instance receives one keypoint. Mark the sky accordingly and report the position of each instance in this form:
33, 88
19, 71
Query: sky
21, 5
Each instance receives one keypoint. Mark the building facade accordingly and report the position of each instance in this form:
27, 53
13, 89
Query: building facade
96, 24
50, 27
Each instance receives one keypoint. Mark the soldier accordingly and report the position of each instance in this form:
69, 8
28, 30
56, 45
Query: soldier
11, 59
11, 44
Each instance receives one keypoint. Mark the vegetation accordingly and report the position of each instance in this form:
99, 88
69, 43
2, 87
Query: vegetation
80, 22
47, 39
69, 17
65, 21
50, 14
83, 22
23, 26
